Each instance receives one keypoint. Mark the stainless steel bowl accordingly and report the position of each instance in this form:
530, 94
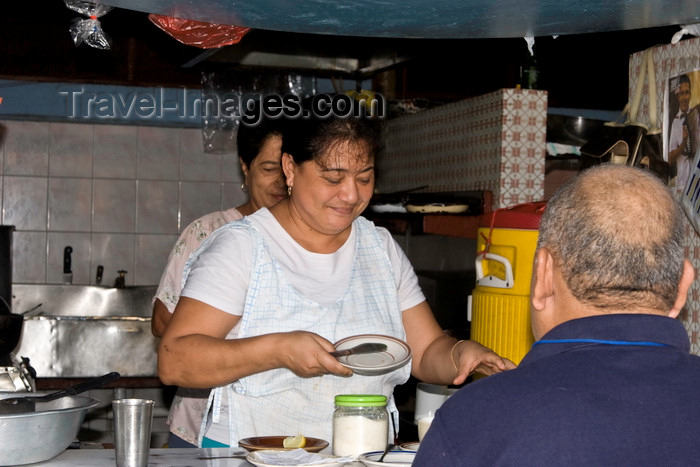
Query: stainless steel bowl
44, 434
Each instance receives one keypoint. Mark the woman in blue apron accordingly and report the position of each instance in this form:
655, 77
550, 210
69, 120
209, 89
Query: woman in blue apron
265, 297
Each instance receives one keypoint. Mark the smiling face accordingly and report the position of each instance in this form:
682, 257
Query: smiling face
264, 176
329, 193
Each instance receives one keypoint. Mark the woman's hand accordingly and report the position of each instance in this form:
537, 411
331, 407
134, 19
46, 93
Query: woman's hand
437, 356
195, 353
307, 355
469, 357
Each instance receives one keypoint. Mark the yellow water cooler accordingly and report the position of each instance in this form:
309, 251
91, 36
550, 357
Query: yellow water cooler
500, 303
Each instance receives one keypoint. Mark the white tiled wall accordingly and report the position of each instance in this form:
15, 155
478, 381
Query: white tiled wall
118, 194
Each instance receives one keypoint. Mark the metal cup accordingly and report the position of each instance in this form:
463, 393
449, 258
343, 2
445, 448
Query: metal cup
132, 431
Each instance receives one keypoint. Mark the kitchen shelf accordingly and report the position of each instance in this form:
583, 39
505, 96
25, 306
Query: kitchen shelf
43, 384
452, 225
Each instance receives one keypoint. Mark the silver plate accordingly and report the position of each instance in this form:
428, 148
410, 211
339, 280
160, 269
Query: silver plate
397, 354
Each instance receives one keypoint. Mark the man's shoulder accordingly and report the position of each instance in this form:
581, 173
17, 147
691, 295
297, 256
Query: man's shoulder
489, 392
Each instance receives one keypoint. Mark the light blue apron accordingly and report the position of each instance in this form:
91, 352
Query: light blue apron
277, 402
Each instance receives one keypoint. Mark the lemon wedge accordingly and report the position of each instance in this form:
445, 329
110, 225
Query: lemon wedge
297, 441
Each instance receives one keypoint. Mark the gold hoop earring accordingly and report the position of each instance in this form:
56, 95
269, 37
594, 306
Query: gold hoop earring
289, 190
244, 187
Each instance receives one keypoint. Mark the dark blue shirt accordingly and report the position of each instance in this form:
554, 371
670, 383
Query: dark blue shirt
580, 403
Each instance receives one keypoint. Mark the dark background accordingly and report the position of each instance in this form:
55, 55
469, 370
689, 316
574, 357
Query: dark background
580, 71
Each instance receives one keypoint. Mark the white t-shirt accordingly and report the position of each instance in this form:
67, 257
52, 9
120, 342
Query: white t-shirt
674, 141
221, 274
194, 234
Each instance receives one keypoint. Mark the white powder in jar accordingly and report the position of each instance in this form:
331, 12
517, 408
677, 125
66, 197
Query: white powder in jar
355, 434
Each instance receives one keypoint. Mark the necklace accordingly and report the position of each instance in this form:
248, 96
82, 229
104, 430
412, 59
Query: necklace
601, 341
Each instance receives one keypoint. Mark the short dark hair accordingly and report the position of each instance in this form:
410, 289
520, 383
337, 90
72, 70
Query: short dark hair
309, 138
683, 79
250, 138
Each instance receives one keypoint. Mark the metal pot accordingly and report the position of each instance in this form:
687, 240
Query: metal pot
6, 233
575, 131
40, 436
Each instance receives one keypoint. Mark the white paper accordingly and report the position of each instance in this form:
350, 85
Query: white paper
297, 457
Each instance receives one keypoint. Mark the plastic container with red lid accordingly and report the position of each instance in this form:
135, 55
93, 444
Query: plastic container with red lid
500, 306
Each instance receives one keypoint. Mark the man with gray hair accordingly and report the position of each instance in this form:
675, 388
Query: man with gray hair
609, 380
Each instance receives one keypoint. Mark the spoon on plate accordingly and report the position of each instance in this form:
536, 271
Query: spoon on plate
389, 447
367, 347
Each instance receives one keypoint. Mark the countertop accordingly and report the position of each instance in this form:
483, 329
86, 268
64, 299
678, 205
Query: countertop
214, 457
200, 457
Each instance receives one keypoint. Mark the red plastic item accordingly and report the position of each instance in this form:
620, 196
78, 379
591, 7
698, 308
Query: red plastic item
198, 33
520, 216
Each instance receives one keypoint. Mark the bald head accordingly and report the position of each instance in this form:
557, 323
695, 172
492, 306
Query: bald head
615, 233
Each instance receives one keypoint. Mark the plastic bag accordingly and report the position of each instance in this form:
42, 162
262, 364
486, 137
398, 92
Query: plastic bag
233, 86
692, 29
89, 30
198, 33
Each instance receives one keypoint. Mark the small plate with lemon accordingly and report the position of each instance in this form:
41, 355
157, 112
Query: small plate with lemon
282, 443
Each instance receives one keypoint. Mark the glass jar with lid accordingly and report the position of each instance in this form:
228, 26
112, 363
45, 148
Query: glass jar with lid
360, 424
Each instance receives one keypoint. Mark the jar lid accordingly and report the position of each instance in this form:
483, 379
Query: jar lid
360, 400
